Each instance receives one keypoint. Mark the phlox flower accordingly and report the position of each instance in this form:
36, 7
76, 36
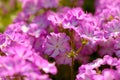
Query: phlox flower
90, 32
71, 22
2, 40
117, 47
63, 59
102, 4
35, 30
56, 18
112, 29
41, 20
92, 71
14, 65
49, 3
21, 17
56, 44
30, 6
10, 66
17, 53
108, 76
106, 47
72, 18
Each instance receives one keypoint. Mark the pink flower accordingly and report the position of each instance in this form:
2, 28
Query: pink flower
41, 21
49, 3
63, 59
110, 74
56, 44
91, 71
106, 47
2, 39
112, 29
30, 6
90, 32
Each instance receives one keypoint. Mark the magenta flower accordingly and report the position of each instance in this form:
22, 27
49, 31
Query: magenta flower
69, 36
56, 18
106, 47
112, 29
30, 6
35, 30
49, 3
21, 17
56, 44
91, 71
90, 32
43, 64
72, 18
63, 59
31, 62
117, 46
2, 40
41, 21
108, 76
14, 65
71, 22
10, 66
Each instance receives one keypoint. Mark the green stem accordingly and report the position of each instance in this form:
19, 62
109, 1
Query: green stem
72, 68
77, 52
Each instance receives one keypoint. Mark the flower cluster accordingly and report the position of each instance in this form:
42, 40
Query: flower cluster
100, 69
45, 34
22, 62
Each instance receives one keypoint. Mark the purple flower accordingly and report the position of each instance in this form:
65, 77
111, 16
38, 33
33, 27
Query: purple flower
85, 74
101, 4
30, 6
43, 64
49, 3
31, 62
15, 48
21, 17
18, 32
56, 18
112, 29
37, 44
110, 60
10, 66
71, 22
117, 47
108, 76
63, 59
42, 21
13, 65
56, 44
90, 32
106, 47
35, 30
91, 71
67, 18
72, 18
3, 40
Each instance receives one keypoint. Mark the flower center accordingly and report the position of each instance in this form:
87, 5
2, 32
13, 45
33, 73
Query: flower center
56, 46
